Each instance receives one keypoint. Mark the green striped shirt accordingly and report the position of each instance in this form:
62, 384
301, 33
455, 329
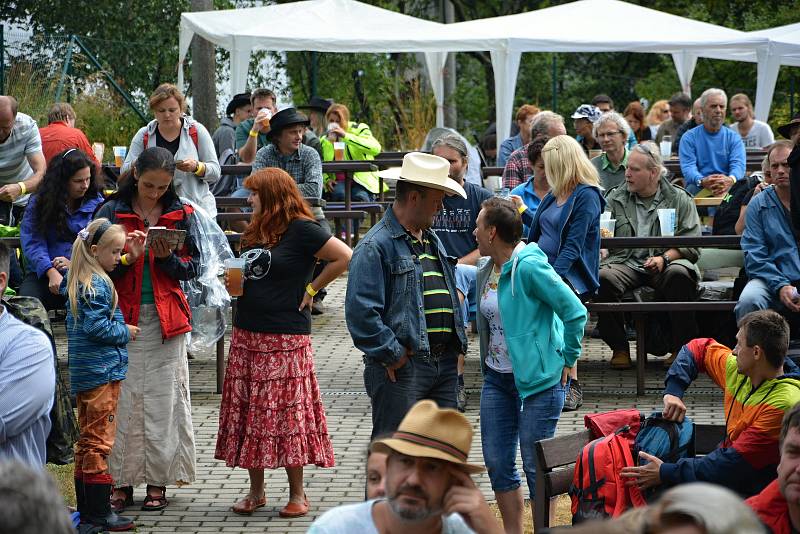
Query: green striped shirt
437, 302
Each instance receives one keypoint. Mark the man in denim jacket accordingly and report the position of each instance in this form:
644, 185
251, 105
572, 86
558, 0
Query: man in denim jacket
401, 307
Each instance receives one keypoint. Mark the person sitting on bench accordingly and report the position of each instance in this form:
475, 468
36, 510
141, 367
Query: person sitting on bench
760, 386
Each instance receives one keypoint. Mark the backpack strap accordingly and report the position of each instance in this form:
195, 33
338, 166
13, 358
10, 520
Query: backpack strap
192, 134
145, 138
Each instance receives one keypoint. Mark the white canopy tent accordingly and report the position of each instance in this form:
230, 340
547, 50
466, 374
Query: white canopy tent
582, 26
324, 26
599, 26
783, 49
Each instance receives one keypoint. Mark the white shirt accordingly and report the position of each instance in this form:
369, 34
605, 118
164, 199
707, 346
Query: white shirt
14, 151
352, 518
759, 136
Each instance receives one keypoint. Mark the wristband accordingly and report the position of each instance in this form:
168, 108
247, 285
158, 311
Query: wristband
311, 291
522, 208
124, 260
253, 133
201, 169
22, 187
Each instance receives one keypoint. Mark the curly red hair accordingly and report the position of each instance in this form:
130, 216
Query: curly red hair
281, 203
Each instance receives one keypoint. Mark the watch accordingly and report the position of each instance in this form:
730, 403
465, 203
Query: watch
732, 177
666, 259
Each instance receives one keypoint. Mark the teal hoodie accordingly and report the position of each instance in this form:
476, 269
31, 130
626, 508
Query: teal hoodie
543, 319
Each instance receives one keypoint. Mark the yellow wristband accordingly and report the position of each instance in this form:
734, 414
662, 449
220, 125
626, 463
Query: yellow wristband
253, 134
124, 260
311, 291
201, 169
522, 208
22, 187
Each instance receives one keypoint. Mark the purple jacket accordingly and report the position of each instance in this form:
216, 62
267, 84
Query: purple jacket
41, 249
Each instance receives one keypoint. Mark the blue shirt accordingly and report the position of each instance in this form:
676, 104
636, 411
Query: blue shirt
27, 387
703, 153
550, 240
506, 148
528, 194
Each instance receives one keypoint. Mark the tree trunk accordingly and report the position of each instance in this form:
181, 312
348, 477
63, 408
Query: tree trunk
204, 89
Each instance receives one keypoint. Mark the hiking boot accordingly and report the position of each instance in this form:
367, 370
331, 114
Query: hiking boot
98, 511
461, 398
574, 399
621, 359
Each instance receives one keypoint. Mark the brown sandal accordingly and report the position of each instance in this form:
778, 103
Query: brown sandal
153, 503
249, 504
118, 505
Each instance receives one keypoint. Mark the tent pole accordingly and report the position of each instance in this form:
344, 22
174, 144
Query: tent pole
791, 96
555, 83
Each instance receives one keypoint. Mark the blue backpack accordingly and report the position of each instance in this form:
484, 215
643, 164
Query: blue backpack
666, 440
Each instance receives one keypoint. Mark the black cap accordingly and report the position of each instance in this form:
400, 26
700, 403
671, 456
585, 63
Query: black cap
238, 101
786, 129
282, 119
318, 104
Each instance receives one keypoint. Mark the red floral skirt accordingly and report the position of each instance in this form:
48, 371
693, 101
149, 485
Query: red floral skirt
271, 414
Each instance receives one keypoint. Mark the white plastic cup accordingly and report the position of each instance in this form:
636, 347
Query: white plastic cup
606, 215
235, 269
607, 227
666, 218
338, 150
666, 147
494, 184
119, 155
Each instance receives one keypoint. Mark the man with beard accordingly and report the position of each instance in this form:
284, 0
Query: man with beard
428, 484
401, 307
712, 157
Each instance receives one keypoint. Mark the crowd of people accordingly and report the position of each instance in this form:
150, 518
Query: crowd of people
521, 263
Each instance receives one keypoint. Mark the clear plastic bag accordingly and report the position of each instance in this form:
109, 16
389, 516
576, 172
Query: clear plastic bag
207, 296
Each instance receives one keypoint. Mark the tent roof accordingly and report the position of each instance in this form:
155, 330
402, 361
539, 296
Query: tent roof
605, 26
784, 41
323, 26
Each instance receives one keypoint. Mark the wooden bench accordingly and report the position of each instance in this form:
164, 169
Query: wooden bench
555, 463
639, 310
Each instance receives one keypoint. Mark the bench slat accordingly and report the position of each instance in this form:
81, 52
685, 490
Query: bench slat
560, 450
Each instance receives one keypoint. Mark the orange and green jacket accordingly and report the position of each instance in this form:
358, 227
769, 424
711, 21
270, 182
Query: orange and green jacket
746, 459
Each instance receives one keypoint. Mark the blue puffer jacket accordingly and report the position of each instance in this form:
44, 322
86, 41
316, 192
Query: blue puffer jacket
96, 342
578, 260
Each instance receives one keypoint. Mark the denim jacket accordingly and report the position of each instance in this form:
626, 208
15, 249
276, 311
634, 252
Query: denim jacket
384, 304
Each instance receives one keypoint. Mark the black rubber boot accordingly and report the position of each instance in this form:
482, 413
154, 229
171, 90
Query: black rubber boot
80, 497
98, 509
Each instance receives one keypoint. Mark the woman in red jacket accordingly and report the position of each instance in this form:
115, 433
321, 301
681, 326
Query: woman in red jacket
155, 439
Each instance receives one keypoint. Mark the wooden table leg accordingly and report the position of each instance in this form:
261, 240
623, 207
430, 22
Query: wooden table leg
641, 351
220, 363
348, 204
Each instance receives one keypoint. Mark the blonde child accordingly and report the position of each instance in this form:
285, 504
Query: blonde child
98, 360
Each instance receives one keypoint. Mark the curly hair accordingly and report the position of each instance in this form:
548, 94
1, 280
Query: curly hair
281, 203
52, 194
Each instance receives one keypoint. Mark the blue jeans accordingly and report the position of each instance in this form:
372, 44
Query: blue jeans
358, 192
242, 192
507, 420
420, 378
757, 296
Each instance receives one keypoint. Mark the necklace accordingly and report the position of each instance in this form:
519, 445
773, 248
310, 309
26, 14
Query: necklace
145, 217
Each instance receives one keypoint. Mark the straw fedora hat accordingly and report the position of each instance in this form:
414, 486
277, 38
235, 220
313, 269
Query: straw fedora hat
426, 170
428, 431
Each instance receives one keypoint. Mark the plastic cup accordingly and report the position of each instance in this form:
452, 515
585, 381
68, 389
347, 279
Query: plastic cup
606, 215
666, 218
494, 184
338, 151
666, 147
119, 155
99, 151
607, 227
234, 268
505, 193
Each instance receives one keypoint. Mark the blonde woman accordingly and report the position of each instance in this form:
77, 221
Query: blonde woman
567, 226
659, 112
189, 142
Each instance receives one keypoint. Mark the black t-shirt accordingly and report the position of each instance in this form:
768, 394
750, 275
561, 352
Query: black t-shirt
727, 213
173, 145
276, 279
455, 224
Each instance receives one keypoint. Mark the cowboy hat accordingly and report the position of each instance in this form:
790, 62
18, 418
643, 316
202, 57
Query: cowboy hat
428, 431
317, 104
786, 129
284, 118
238, 101
426, 170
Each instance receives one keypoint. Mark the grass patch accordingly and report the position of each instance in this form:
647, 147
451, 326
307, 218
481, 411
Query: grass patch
63, 475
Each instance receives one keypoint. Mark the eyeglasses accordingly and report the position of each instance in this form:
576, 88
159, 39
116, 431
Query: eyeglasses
609, 134
644, 148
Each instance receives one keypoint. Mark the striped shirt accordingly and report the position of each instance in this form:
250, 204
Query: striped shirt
27, 387
14, 151
437, 301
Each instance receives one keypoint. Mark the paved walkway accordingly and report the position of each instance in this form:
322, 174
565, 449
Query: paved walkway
204, 505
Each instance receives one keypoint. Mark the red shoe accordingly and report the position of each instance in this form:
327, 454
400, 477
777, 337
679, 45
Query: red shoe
294, 509
248, 505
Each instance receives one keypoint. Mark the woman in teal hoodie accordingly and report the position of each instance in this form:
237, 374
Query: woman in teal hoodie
530, 325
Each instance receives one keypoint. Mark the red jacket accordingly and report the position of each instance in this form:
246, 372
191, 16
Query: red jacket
771, 508
171, 304
59, 136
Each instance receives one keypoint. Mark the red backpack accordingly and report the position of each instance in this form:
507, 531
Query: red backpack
597, 490
192, 134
